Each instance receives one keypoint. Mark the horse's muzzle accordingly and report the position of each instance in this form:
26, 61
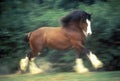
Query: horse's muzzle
89, 34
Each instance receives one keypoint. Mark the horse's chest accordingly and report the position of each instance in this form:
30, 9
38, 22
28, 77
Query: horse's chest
75, 36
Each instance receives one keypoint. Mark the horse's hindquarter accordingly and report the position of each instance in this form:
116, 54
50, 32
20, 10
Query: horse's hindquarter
37, 40
56, 38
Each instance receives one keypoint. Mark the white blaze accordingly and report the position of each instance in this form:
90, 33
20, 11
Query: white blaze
89, 31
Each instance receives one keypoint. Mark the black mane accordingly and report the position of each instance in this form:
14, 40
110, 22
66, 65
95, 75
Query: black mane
75, 16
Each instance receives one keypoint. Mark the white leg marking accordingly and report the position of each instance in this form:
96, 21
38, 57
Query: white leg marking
94, 60
80, 68
89, 31
33, 67
24, 64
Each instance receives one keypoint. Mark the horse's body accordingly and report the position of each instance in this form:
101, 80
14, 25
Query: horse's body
56, 37
53, 37
76, 26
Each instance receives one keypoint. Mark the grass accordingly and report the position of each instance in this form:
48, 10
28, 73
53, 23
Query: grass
91, 76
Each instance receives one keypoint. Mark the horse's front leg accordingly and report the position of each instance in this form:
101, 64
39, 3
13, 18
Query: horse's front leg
79, 67
94, 60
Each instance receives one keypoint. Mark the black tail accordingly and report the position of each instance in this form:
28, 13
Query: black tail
27, 37
26, 42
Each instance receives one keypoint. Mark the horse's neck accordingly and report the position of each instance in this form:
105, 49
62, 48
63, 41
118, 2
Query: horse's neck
77, 29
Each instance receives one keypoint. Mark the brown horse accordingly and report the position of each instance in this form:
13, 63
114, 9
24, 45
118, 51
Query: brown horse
75, 27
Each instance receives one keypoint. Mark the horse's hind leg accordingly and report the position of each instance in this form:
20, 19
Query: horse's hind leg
24, 64
25, 61
33, 67
29, 59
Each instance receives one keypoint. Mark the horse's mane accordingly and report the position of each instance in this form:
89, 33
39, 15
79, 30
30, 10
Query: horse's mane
75, 16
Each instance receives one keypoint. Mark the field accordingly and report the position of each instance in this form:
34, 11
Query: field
91, 76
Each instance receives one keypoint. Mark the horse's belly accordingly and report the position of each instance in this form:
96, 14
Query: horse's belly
59, 45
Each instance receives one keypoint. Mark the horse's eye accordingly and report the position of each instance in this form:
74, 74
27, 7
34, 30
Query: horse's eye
83, 19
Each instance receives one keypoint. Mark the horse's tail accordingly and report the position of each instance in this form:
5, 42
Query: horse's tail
27, 37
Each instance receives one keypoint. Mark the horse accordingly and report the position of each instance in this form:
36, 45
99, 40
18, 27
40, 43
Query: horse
76, 26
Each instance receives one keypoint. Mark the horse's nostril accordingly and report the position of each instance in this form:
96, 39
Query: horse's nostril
89, 34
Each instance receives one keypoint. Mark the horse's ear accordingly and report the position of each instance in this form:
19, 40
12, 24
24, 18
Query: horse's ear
90, 14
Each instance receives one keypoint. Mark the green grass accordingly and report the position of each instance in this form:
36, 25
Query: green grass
92, 76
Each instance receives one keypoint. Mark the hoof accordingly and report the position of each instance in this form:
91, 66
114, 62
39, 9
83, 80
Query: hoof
98, 65
34, 69
81, 70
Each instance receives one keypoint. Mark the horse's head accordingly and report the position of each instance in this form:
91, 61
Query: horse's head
85, 23
80, 19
